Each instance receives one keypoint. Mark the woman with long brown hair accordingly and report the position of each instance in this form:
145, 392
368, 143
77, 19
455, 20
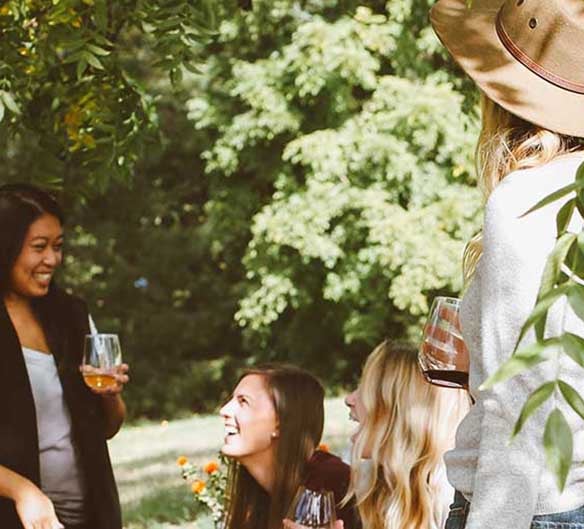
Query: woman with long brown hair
273, 426
405, 426
526, 58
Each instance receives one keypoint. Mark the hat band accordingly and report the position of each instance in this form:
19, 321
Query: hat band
529, 63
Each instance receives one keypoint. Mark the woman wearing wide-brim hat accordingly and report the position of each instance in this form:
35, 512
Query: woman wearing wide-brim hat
527, 58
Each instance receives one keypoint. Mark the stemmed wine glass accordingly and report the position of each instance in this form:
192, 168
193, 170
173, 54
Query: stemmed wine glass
443, 356
101, 356
312, 508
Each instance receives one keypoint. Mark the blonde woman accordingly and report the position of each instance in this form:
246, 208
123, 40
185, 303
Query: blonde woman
526, 57
405, 426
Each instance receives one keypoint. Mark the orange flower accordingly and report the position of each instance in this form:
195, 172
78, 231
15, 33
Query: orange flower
211, 467
182, 461
323, 447
198, 486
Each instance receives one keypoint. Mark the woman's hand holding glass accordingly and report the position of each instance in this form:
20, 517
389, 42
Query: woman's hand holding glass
102, 368
312, 509
443, 355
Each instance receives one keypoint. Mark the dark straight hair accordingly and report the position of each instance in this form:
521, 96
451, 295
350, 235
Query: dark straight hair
20, 206
298, 399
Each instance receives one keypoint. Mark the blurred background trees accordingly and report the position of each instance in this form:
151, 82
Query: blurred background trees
291, 182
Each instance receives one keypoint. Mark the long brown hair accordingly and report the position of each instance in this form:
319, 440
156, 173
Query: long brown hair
298, 399
408, 425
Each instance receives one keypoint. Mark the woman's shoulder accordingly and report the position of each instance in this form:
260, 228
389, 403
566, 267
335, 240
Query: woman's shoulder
326, 471
522, 189
545, 178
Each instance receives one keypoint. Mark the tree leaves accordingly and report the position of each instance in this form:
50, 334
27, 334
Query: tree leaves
83, 54
565, 260
572, 397
535, 400
576, 299
556, 195
564, 216
521, 361
541, 308
558, 445
574, 347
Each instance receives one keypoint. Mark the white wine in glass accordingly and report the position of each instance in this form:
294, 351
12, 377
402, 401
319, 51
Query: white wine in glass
101, 355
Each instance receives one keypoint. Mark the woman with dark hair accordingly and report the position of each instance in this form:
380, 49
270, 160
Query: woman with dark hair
273, 426
55, 470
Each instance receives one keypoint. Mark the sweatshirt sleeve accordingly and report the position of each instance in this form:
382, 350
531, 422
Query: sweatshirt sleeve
508, 473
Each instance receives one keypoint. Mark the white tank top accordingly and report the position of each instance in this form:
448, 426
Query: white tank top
61, 478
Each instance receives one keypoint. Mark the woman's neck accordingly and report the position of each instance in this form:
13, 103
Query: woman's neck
262, 468
16, 303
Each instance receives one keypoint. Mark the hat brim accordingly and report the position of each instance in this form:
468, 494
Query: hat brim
470, 36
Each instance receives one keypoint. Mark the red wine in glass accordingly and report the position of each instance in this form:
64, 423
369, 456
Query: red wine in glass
447, 378
443, 356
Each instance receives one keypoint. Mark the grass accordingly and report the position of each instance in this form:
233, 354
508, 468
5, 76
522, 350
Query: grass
144, 457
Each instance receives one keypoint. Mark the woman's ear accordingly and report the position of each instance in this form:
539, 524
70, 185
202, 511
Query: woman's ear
276, 432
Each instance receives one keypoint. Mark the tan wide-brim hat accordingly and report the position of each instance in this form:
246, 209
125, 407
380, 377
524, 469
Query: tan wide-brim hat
526, 55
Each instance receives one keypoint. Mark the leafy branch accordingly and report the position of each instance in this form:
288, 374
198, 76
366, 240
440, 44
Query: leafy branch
69, 82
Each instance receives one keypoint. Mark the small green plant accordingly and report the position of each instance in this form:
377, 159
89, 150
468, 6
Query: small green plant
208, 484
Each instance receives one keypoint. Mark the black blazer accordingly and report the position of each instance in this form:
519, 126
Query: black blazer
65, 321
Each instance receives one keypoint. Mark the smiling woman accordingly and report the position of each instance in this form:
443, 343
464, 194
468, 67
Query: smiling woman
273, 425
54, 464
41, 254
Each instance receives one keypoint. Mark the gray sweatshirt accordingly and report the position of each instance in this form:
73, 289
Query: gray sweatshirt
508, 482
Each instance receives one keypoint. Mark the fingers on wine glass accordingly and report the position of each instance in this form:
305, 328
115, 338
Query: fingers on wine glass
450, 314
438, 337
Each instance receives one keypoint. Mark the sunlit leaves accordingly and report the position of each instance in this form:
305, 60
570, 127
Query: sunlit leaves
368, 152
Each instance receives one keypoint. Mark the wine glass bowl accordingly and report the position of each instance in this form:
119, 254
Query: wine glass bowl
443, 356
102, 355
312, 508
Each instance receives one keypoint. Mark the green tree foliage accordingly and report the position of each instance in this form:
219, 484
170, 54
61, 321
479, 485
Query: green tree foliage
70, 94
366, 149
300, 198
145, 260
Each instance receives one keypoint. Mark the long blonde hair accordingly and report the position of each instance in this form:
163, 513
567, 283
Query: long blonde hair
298, 399
408, 426
508, 143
